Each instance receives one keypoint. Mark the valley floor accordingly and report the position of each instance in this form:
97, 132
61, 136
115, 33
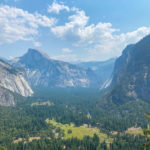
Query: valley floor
75, 122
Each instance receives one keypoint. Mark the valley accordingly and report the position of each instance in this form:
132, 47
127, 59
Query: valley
24, 122
51, 104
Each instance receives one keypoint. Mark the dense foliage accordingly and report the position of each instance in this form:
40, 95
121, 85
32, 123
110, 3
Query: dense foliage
147, 133
69, 105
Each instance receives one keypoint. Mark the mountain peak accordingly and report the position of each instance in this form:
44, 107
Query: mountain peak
34, 52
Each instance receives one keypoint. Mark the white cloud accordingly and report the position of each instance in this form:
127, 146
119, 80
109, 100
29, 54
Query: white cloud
56, 7
17, 24
101, 40
78, 31
72, 29
37, 44
66, 50
112, 47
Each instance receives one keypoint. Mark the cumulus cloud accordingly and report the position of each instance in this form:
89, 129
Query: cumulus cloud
66, 50
56, 7
17, 24
72, 29
79, 31
112, 47
101, 40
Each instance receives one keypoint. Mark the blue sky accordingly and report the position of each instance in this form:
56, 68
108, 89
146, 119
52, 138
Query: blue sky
72, 30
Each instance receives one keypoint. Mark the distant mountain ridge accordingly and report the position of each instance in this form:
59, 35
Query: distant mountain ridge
102, 69
42, 71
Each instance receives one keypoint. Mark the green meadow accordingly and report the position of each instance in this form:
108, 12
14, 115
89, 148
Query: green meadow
71, 131
48, 103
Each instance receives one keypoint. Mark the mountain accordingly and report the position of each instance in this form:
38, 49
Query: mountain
102, 70
12, 81
131, 75
44, 72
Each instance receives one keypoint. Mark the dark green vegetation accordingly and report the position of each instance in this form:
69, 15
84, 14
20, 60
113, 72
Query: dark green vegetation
70, 105
147, 133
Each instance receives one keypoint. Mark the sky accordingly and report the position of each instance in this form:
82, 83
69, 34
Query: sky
72, 30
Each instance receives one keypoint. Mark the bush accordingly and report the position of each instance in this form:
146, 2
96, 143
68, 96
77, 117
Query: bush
69, 131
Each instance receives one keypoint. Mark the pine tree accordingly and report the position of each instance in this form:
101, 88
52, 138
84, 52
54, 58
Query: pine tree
147, 133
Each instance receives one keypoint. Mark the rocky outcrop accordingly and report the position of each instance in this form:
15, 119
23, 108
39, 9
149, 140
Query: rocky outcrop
6, 97
12, 81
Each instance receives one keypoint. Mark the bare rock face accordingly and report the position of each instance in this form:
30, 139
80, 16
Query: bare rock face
131, 77
12, 80
6, 97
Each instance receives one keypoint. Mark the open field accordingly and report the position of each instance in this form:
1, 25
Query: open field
134, 131
70, 131
42, 103
23, 139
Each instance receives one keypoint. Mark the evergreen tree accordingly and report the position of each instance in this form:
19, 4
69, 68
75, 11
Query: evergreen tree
147, 133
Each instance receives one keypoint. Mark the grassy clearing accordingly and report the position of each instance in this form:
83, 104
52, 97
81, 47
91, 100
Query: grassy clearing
134, 131
23, 139
79, 132
48, 103
18, 140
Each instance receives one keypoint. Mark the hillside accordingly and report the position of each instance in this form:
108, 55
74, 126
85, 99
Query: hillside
12, 81
131, 78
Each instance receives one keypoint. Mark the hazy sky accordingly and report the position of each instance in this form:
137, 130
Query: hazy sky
72, 30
